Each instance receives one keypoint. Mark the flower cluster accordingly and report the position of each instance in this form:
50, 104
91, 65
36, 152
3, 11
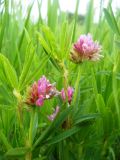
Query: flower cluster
85, 49
54, 114
40, 91
70, 92
43, 89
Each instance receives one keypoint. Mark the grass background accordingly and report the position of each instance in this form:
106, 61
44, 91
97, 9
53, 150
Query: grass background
30, 50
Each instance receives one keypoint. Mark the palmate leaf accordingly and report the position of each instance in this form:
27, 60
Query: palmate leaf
50, 47
50, 37
9, 71
36, 73
63, 135
20, 42
53, 127
27, 64
44, 43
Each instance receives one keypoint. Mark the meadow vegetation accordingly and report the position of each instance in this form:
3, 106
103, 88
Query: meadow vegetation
77, 115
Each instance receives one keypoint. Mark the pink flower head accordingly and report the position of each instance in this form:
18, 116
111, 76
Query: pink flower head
40, 91
85, 48
54, 114
70, 92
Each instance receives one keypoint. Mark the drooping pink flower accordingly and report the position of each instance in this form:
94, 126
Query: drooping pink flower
40, 91
54, 114
85, 49
70, 92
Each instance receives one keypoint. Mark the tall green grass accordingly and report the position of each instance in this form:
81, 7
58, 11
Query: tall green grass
30, 50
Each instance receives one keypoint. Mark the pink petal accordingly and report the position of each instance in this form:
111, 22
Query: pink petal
52, 116
40, 101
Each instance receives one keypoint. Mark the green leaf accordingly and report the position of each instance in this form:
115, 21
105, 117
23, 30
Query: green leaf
4, 140
85, 118
33, 125
52, 12
89, 16
36, 73
48, 50
25, 26
75, 20
20, 151
111, 21
44, 43
20, 42
117, 43
77, 88
27, 64
53, 127
63, 135
10, 72
114, 20
100, 103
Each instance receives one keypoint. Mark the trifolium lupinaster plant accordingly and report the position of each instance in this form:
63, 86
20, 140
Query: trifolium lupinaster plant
42, 91
59, 98
84, 49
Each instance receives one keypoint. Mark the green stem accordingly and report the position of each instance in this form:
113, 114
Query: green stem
65, 79
31, 126
65, 82
77, 87
30, 138
115, 94
20, 115
19, 109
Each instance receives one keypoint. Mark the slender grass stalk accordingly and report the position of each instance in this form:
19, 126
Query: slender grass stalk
91, 122
77, 87
29, 142
115, 91
75, 20
5, 141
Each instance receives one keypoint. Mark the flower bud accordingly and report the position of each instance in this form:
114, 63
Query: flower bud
70, 92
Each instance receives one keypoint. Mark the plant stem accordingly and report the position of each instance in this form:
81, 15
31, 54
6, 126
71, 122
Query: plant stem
66, 82
20, 115
77, 86
19, 108
31, 126
30, 138
28, 156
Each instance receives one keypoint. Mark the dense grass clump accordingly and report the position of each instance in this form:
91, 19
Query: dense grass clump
59, 91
